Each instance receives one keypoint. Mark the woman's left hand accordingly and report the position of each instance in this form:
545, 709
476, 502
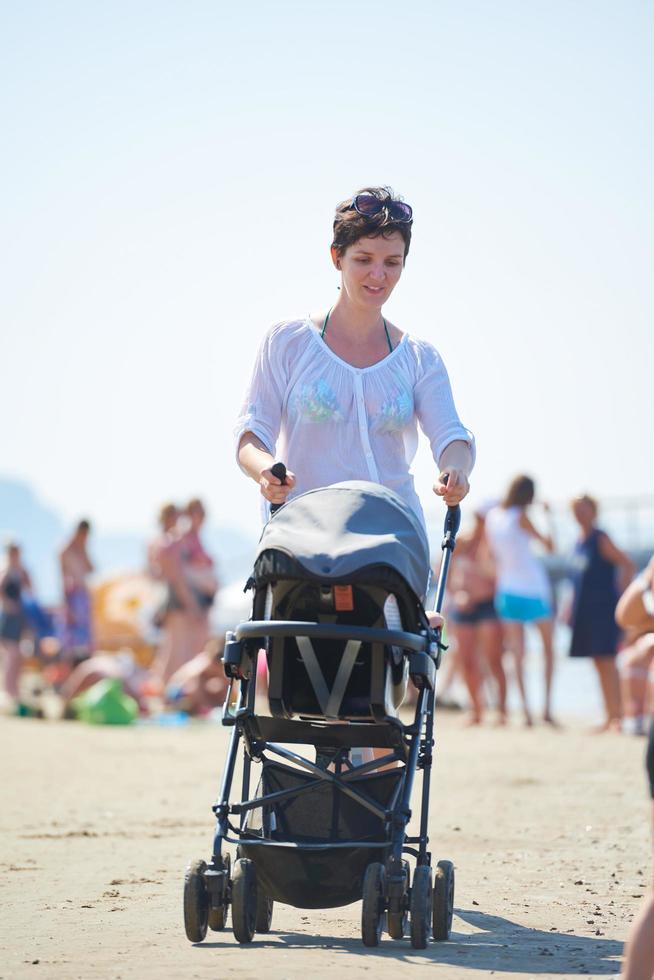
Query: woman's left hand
455, 488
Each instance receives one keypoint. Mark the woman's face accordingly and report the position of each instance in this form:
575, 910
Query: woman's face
196, 516
371, 268
584, 512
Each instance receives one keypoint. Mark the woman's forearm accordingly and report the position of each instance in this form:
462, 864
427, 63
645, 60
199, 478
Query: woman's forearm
253, 456
458, 456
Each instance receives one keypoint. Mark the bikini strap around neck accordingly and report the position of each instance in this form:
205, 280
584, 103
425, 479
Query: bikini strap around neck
388, 338
324, 326
329, 313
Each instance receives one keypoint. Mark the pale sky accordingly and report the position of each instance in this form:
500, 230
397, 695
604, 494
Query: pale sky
169, 172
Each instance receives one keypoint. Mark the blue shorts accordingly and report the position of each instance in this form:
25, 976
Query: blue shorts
521, 608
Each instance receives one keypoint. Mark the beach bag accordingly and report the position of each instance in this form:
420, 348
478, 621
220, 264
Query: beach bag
105, 703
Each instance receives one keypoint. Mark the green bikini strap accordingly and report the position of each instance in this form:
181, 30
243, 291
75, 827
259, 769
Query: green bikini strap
324, 326
329, 313
390, 346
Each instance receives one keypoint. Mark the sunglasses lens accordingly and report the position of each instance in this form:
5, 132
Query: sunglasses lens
370, 205
367, 204
400, 211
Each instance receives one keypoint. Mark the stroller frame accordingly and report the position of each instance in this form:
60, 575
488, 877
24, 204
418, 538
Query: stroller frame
211, 889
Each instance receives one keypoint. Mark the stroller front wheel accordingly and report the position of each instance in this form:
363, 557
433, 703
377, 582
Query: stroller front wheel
372, 910
196, 902
244, 901
421, 907
443, 900
264, 911
398, 920
218, 916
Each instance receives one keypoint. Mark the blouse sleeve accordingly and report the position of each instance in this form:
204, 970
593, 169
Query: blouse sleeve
261, 411
434, 404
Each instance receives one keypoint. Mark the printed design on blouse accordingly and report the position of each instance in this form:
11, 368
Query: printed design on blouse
316, 402
395, 413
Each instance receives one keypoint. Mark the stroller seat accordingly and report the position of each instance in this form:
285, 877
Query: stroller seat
325, 678
335, 558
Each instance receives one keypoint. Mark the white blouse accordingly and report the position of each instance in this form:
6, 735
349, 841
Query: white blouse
330, 421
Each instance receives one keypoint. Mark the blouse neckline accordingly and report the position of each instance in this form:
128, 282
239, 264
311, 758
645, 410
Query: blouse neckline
346, 364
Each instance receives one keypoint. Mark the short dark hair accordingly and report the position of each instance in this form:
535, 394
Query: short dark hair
520, 493
350, 226
84, 525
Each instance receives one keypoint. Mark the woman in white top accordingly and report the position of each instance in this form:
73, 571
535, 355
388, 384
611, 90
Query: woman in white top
338, 395
523, 593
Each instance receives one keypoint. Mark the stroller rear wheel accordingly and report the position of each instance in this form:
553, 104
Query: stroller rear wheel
244, 901
264, 911
421, 907
372, 910
196, 902
398, 921
218, 916
443, 904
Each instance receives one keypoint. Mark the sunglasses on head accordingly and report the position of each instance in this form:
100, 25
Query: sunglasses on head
369, 206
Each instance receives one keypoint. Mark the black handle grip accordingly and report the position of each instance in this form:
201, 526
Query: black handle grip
278, 470
452, 521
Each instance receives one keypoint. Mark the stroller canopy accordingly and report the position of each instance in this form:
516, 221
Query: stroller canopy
335, 531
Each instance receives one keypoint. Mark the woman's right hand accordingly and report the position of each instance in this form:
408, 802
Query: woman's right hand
272, 488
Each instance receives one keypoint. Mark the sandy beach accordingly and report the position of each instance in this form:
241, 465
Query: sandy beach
548, 831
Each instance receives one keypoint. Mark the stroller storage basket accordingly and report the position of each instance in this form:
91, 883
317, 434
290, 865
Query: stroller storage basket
337, 834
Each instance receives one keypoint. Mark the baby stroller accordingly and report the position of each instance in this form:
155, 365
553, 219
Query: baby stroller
339, 582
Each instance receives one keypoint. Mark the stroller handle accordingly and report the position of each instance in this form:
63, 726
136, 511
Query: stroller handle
452, 525
278, 470
330, 631
452, 521
450, 531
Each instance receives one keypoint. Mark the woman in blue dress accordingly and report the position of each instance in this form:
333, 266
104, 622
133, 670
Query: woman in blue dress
597, 566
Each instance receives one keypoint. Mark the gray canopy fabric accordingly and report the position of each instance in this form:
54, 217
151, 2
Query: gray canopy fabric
336, 530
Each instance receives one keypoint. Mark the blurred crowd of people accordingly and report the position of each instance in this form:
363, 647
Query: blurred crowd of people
500, 589
185, 668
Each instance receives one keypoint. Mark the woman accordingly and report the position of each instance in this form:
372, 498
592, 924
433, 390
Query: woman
473, 619
76, 566
181, 617
635, 611
595, 632
199, 572
338, 395
635, 614
14, 580
523, 590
